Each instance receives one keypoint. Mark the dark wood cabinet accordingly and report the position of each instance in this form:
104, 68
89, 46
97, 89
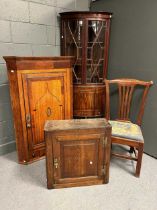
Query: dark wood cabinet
41, 89
85, 35
74, 158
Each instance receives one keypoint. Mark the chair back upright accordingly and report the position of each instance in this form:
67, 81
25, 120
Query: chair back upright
126, 88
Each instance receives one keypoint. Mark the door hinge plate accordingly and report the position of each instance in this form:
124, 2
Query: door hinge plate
55, 162
28, 121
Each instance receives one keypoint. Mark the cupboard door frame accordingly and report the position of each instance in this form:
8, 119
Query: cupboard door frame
85, 18
26, 79
58, 144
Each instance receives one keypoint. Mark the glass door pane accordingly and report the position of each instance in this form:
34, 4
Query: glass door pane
73, 40
95, 51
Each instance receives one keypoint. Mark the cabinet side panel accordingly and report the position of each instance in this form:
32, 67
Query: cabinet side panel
49, 160
107, 37
68, 94
15, 102
107, 155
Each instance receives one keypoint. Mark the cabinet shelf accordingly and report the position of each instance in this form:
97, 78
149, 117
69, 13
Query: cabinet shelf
87, 43
89, 64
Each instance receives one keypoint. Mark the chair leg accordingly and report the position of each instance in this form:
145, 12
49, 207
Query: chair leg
139, 160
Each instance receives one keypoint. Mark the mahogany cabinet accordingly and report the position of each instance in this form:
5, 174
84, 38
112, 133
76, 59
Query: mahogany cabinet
85, 35
40, 89
74, 158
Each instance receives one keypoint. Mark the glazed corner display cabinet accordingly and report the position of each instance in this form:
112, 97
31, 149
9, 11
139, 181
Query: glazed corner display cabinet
40, 89
85, 35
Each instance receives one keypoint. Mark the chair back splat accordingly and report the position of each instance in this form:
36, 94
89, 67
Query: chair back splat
126, 88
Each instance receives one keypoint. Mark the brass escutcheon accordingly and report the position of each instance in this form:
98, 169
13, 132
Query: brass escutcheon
49, 111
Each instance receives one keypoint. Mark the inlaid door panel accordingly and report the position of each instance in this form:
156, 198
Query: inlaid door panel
91, 101
44, 100
77, 158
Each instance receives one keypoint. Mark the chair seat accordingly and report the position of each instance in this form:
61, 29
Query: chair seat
126, 130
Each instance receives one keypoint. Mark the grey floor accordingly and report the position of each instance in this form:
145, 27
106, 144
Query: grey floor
24, 188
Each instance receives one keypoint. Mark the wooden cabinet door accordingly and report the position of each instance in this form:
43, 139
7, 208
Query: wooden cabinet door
44, 100
78, 158
91, 101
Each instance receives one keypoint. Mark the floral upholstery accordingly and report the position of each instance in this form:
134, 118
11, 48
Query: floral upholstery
126, 130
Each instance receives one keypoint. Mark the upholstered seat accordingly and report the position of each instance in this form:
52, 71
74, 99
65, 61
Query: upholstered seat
126, 130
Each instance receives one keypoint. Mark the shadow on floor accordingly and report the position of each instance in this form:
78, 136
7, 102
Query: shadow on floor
34, 173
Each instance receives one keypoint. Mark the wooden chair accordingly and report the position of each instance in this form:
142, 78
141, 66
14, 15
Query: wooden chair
124, 132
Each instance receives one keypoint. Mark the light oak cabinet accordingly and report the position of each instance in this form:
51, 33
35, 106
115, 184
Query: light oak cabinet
40, 89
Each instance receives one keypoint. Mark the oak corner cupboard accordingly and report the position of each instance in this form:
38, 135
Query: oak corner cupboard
85, 35
40, 89
74, 158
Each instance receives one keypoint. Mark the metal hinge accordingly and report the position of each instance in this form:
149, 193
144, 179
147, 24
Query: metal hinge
28, 120
104, 141
103, 169
55, 162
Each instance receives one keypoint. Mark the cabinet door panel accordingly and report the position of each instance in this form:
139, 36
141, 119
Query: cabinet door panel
78, 158
72, 44
44, 100
76, 161
91, 101
95, 51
